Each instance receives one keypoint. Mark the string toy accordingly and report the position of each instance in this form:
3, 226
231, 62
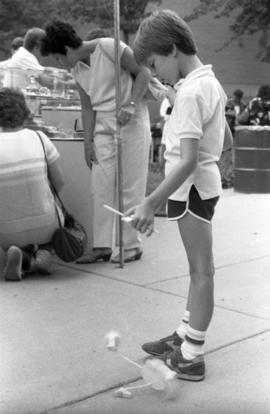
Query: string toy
126, 219
154, 372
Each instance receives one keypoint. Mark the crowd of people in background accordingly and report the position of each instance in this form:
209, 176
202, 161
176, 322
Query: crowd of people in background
254, 112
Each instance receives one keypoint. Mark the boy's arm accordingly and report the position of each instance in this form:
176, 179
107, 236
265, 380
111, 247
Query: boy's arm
56, 176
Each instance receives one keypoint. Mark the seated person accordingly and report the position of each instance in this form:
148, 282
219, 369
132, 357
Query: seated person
15, 45
257, 111
28, 216
234, 108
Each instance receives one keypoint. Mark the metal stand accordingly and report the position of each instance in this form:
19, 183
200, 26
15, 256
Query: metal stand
117, 135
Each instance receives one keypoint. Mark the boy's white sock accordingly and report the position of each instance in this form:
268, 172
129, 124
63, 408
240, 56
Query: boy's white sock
182, 329
193, 343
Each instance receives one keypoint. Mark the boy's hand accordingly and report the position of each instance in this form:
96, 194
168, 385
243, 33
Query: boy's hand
143, 218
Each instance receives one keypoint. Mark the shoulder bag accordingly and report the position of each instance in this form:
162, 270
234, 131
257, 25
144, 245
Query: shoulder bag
70, 239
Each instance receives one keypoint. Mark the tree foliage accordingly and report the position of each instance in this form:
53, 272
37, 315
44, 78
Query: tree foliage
17, 16
101, 12
249, 17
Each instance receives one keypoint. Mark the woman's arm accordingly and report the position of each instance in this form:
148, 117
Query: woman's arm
88, 121
142, 77
141, 73
56, 176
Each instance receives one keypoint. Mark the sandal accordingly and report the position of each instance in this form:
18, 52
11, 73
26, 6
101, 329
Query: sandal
98, 254
129, 255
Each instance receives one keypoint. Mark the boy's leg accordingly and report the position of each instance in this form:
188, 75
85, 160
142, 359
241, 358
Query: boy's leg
197, 239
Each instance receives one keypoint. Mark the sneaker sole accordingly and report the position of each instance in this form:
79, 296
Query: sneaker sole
186, 377
13, 272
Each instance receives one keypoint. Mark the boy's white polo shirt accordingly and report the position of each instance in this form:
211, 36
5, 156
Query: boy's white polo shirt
198, 113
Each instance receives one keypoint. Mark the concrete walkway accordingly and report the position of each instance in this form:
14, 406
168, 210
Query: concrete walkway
53, 357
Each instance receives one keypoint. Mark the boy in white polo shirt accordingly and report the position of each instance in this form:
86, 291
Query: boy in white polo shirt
195, 139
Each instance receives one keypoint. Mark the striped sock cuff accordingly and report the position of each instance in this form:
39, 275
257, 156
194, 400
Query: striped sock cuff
182, 329
194, 336
186, 316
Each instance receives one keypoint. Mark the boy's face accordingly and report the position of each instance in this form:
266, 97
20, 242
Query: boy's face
165, 68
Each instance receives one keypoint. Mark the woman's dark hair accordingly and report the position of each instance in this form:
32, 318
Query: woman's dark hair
13, 109
58, 36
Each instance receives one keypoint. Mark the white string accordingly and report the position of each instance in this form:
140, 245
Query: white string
129, 360
139, 386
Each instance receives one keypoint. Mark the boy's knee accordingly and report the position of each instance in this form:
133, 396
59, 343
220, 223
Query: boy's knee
202, 273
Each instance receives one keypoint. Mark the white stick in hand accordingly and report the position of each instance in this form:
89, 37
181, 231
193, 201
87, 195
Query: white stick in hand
126, 219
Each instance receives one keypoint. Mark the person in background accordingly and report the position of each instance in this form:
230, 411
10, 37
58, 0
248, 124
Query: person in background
28, 216
195, 140
165, 112
24, 64
257, 111
15, 45
93, 67
234, 109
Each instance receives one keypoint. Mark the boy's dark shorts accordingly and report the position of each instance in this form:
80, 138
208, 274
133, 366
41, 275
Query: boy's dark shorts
202, 209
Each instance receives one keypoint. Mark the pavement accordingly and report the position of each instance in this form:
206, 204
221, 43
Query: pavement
53, 357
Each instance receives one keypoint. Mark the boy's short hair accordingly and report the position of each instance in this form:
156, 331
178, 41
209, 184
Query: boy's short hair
33, 38
158, 33
13, 109
59, 35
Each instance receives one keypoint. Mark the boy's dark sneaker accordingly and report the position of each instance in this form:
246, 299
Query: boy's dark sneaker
190, 370
163, 346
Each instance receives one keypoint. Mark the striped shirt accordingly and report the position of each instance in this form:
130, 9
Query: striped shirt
27, 207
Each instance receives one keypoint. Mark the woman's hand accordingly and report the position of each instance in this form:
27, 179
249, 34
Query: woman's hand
90, 155
126, 113
142, 217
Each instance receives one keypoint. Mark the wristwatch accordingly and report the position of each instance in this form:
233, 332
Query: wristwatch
132, 103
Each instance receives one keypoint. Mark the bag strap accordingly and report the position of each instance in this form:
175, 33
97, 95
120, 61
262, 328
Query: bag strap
53, 189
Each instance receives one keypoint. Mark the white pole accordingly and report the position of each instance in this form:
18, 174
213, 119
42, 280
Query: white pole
117, 135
